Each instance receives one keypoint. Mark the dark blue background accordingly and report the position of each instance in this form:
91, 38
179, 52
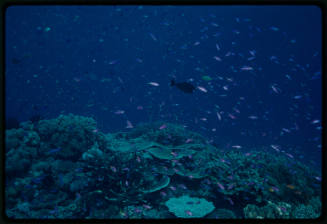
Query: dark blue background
96, 60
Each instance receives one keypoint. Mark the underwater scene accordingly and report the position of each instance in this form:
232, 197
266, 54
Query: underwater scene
163, 112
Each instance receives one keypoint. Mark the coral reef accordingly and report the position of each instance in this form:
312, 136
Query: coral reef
66, 168
271, 210
189, 207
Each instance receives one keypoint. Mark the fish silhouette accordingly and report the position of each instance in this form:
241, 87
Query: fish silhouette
183, 86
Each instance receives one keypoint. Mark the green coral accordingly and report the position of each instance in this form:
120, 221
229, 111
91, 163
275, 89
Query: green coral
270, 210
14, 138
94, 153
172, 134
73, 134
158, 185
128, 168
189, 207
32, 139
309, 211
24, 156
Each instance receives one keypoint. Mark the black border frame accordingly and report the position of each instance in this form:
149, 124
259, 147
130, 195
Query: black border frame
319, 3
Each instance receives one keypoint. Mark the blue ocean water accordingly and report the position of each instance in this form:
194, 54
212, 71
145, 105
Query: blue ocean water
256, 71
95, 60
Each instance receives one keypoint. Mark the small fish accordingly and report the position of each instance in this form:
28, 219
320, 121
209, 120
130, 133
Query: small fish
275, 89
290, 186
202, 89
172, 188
252, 52
123, 214
315, 121
289, 155
218, 48
214, 24
119, 112
54, 150
275, 188
220, 186
163, 126
219, 116
147, 206
297, 97
217, 58
222, 160
129, 124
196, 43
137, 210
246, 68
182, 186
236, 146
276, 147
252, 117
138, 159
113, 62
153, 37
139, 107
153, 83
162, 193
114, 169
236, 110
273, 28
283, 209
206, 78
174, 154
231, 116
230, 201
188, 212
288, 77
189, 140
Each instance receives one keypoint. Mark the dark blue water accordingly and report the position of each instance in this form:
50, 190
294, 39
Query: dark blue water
94, 61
